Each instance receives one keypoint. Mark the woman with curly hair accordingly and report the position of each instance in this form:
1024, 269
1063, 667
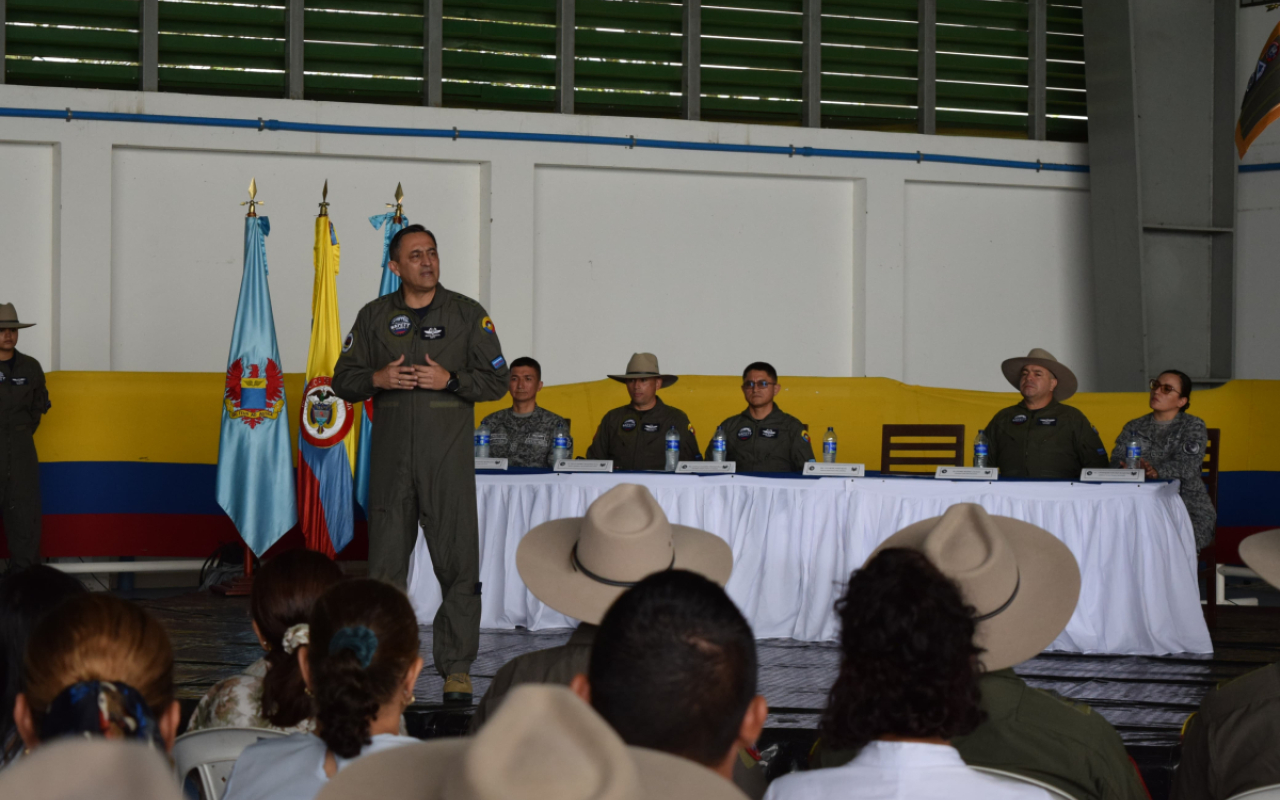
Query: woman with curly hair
359, 667
908, 684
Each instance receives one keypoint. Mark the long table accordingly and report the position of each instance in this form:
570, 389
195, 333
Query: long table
795, 542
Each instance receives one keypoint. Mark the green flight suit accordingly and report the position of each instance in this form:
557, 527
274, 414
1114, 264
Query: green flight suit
422, 457
1056, 441
777, 443
1232, 744
637, 440
23, 401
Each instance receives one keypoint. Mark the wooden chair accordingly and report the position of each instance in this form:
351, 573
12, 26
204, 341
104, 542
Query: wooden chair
1209, 555
949, 452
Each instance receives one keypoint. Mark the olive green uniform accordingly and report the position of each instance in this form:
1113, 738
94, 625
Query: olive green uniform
1232, 744
422, 458
1056, 441
637, 440
777, 443
555, 665
23, 401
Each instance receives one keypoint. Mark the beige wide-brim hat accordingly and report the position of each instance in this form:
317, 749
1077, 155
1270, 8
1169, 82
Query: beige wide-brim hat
580, 565
1067, 383
9, 317
645, 365
544, 743
102, 769
1261, 552
1023, 581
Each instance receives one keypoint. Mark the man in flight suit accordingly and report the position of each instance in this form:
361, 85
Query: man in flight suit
426, 356
1040, 437
23, 400
764, 438
634, 436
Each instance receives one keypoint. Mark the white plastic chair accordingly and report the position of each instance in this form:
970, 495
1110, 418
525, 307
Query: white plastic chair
1013, 776
212, 753
1261, 793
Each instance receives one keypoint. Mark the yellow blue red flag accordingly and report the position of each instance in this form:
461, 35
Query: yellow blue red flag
326, 446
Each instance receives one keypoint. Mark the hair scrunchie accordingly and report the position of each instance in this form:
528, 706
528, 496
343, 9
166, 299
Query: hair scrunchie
100, 708
359, 640
296, 637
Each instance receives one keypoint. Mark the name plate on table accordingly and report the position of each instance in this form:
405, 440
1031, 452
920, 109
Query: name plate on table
838, 470
583, 465
491, 463
714, 467
1113, 475
967, 473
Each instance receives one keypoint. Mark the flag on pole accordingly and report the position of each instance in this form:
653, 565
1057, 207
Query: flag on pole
391, 223
326, 440
1261, 104
255, 465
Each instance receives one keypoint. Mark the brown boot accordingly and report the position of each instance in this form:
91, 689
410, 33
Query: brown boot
457, 688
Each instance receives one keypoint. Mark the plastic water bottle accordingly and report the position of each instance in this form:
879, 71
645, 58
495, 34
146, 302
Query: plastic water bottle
1132, 455
829, 446
560, 444
719, 445
482, 441
980, 450
673, 448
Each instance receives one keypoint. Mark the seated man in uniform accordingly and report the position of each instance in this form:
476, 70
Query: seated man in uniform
523, 434
635, 435
764, 438
1040, 437
1232, 744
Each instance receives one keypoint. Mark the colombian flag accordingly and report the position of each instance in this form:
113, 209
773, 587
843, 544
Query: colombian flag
326, 446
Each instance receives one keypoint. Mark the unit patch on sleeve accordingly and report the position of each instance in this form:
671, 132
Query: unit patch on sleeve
1190, 448
347, 342
804, 435
400, 325
498, 363
433, 332
651, 427
487, 326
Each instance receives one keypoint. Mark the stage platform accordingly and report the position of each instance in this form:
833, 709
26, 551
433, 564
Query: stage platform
1147, 698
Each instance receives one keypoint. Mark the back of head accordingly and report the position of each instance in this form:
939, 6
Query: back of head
25, 597
673, 667
97, 637
284, 591
364, 639
910, 667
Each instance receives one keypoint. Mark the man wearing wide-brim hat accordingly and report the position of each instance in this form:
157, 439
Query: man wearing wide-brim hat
23, 401
1232, 744
634, 436
1040, 437
1023, 584
580, 565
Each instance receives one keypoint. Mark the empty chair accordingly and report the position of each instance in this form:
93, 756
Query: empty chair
212, 753
946, 449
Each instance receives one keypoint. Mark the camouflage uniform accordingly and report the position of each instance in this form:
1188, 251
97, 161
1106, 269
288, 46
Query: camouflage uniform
1176, 450
525, 441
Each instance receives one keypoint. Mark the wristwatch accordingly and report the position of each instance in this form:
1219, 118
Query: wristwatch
452, 385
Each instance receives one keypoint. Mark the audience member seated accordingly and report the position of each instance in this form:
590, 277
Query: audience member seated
270, 692
94, 769
908, 685
1024, 584
674, 669
580, 565
1173, 443
97, 665
25, 596
543, 744
360, 667
1232, 744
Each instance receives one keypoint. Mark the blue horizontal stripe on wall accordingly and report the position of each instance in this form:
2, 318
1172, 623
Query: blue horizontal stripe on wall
1248, 499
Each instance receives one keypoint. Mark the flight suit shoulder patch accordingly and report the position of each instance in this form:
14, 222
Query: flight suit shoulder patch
804, 434
350, 340
487, 326
499, 362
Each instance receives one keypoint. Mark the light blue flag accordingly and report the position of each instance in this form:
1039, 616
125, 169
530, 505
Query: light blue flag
390, 283
255, 464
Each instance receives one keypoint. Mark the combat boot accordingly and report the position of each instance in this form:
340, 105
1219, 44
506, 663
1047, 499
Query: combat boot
457, 688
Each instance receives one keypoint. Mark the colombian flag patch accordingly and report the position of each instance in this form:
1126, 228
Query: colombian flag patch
487, 325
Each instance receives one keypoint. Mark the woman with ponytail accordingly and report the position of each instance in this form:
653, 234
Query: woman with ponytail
359, 667
270, 692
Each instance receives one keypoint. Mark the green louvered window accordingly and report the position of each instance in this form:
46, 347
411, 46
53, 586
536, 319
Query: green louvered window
91, 43
222, 47
1068, 118
500, 54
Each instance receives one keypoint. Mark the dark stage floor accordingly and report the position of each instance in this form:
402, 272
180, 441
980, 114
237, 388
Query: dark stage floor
1146, 698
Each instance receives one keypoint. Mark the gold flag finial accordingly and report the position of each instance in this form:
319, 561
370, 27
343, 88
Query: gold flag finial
399, 204
252, 202
324, 199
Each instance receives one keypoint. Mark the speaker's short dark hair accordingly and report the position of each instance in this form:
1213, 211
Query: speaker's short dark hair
673, 667
393, 249
761, 366
526, 361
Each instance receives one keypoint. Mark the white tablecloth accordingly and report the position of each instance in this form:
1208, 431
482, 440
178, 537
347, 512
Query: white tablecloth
796, 541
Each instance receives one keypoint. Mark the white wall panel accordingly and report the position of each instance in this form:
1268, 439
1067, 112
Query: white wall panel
26, 231
708, 271
177, 244
991, 272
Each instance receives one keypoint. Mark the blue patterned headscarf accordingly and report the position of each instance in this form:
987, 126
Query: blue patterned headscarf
100, 708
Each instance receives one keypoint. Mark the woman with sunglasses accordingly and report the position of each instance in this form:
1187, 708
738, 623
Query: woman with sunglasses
1173, 444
